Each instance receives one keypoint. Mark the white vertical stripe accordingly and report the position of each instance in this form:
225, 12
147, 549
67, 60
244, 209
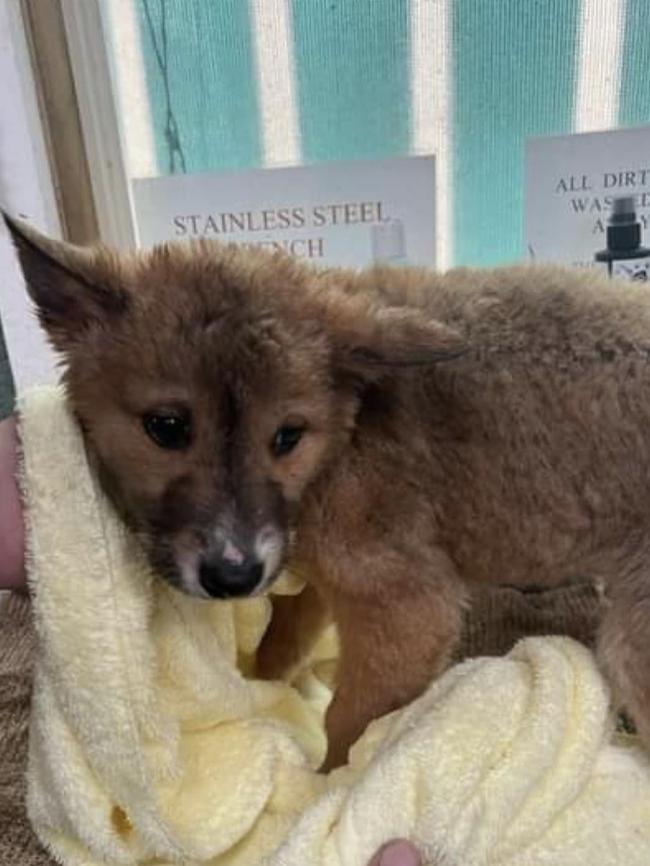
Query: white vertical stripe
598, 72
431, 106
276, 80
127, 69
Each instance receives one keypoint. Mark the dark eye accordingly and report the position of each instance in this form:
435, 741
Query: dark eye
285, 440
171, 430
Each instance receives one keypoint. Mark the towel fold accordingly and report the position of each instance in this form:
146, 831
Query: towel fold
150, 742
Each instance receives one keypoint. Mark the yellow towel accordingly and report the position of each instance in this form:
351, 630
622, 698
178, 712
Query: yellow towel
150, 745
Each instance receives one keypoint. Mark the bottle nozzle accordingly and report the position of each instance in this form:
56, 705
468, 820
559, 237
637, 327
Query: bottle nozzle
623, 210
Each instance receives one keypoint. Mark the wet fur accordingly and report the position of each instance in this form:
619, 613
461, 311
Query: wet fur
524, 459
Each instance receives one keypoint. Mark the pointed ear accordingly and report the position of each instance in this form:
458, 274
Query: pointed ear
373, 342
70, 286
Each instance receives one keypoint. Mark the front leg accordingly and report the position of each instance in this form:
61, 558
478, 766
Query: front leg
296, 623
396, 635
624, 646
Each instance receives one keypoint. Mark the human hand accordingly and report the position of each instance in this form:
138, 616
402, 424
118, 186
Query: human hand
397, 852
12, 553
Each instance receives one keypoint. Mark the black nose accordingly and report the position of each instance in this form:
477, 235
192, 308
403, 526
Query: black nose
221, 579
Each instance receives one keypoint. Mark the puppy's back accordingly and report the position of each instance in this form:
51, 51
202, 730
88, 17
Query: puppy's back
540, 433
536, 311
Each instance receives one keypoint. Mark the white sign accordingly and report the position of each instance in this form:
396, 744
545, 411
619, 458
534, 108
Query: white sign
574, 190
350, 214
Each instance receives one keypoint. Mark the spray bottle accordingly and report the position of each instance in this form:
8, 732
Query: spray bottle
624, 256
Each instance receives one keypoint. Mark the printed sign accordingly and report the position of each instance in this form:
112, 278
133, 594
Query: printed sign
350, 214
588, 200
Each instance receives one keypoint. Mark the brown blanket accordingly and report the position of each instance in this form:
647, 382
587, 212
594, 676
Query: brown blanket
18, 845
498, 618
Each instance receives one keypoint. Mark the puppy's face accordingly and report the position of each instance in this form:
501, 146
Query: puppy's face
214, 385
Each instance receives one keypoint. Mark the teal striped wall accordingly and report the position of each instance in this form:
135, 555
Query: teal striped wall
353, 79
211, 80
512, 75
513, 71
634, 106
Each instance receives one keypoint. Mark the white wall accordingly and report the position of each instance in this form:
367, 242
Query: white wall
26, 189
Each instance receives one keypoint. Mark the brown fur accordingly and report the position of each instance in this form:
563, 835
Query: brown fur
524, 460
